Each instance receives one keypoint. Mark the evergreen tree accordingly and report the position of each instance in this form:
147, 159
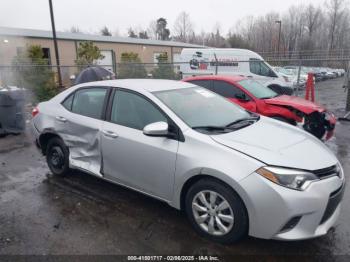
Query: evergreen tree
88, 54
32, 71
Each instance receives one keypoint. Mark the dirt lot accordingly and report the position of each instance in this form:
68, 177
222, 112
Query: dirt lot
43, 214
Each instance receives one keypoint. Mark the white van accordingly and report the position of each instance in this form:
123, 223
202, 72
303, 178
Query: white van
228, 61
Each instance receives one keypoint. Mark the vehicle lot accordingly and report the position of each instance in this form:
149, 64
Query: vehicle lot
80, 214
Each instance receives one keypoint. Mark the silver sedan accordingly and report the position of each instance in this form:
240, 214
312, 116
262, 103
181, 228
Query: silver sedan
234, 173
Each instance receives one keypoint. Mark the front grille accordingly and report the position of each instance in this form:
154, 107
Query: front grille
327, 172
333, 202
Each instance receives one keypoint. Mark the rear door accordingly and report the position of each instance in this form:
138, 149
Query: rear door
79, 125
131, 158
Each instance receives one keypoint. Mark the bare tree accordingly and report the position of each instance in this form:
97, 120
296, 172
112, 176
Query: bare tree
335, 10
75, 29
313, 18
183, 28
152, 29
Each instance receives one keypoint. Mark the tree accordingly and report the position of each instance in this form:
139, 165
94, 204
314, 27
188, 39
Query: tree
335, 13
131, 67
152, 29
75, 30
183, 28
105, 31
131, 33
34, 73
143, 35
88, 54
237, 41
164, 70
163, 33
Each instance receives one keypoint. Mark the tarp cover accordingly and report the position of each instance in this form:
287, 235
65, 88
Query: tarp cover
12, 101
95, 73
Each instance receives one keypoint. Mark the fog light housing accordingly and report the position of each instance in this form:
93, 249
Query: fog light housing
290, 224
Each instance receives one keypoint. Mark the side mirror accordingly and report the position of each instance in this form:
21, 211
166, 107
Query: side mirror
242, 97
156, 129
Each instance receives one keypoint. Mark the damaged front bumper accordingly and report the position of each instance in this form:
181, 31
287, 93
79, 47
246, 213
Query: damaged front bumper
320, 124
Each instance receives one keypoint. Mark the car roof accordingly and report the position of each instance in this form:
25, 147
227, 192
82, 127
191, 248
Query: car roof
216, 77
149, 85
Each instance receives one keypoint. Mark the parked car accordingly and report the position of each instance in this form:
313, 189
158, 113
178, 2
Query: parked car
292, 76
259, 99
232, 171
230, 61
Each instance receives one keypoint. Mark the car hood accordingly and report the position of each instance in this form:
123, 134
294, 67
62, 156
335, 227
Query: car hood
301, 104
279, 144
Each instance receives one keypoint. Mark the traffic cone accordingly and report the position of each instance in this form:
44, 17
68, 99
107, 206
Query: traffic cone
310, 87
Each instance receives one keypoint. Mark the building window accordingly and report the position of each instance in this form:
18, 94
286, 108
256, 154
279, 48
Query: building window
47, 55
155, 56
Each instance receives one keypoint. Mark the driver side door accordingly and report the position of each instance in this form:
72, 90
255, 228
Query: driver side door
234, 94
130, 157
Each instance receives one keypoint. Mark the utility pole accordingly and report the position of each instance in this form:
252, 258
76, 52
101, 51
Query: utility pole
60, 85
279, 37
347, 89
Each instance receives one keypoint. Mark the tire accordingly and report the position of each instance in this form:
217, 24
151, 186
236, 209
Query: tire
235, 230
57, 157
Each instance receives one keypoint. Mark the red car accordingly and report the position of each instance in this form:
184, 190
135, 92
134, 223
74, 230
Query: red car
257, 98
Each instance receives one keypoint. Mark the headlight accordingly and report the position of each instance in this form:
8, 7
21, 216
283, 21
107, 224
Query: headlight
291, 178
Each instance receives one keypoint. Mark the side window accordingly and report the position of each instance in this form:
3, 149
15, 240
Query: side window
203, 83
226, 89
67, 103
134, 111
89, 102
260, 68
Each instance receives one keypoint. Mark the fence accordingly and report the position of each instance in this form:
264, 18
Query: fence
293, 69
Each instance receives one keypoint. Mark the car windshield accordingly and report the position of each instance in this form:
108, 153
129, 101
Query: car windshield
258, 90
199, 107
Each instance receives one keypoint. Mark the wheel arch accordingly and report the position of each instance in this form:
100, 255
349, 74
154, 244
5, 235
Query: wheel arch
238, 190
44, 139
194, 179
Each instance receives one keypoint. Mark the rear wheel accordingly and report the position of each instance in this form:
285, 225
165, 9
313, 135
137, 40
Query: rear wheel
216, 211
57, 157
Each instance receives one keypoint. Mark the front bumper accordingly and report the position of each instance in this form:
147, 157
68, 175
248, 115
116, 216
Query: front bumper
330, 126
271, 207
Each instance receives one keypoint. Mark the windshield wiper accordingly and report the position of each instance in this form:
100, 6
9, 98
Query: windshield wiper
243, 120
211, 128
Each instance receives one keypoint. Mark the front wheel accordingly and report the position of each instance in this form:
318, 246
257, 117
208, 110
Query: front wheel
216, 211
57, 157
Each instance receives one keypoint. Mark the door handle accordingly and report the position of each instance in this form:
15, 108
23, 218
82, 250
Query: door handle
61, 119
109, 134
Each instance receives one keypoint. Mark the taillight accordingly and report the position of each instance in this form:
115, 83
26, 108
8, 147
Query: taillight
35, 111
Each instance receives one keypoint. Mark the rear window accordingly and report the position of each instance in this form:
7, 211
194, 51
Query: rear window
89, 102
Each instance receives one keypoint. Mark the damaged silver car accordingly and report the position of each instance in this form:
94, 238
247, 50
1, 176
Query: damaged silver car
233, 172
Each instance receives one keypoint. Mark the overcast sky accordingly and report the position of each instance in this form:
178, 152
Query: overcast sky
91, 15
